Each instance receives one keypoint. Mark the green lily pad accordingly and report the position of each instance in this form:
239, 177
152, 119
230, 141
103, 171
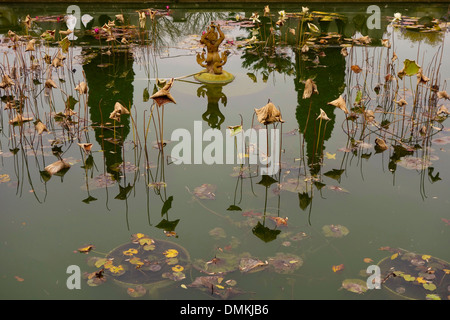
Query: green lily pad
335, 231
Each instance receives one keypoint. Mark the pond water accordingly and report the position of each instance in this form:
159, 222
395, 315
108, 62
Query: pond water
339, 203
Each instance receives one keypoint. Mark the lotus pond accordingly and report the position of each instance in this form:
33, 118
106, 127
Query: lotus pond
92, 95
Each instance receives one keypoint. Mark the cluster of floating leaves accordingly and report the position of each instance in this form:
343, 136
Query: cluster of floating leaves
142, 262
416, 276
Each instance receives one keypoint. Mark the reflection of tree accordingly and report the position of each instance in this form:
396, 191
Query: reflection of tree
213, 116
109, 84
330, 82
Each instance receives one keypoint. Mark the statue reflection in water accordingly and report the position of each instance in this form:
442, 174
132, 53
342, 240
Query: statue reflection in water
213, 116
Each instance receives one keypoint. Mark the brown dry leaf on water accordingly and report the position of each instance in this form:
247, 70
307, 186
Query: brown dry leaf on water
57, 166
163, 96
279, 221
310, 89
268, 114
356, 69
19, 278
85, 249
339, 103
338, 268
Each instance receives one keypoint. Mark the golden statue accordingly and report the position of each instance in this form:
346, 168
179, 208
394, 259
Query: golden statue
213, 63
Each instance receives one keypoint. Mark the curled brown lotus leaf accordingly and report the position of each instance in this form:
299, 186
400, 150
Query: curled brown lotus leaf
30, 45
13, 36
19, 119
385, 43
323, 116
310, 89
163, 96
369, 115
7, 82
421, 78
443, 95
119, 109
119, 17
81, 87
344, 51
401, 102
305, 49
49, 83
381, 144
28, 20
339, 103
86, 147
268, 114
65, 33
442, 111
394, 57
40, 127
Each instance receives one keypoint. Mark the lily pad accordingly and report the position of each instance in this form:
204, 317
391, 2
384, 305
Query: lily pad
355, 285
335, 231
285, 263
222, 263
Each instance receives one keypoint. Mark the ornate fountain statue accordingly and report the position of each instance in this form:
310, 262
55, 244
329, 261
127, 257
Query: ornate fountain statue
213, 62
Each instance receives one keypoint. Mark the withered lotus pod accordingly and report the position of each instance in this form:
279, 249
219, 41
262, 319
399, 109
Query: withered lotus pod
163, 96
310, 89
268, 114
339, 103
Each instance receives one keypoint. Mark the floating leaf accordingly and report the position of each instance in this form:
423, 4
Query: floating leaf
355, 285
334, 231
170, 253
136, 292
205, 191
337, 268
285, 263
